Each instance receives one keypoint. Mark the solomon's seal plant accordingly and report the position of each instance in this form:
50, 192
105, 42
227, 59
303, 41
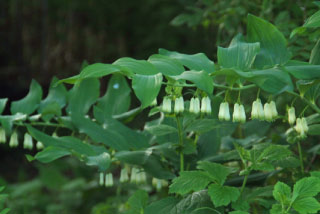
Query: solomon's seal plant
187, 154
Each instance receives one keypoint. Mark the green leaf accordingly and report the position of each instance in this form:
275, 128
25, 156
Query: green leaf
304, 72
306, 205
196, 62
51, 153
276, 209
102, 161
146, 87
240, 55
222, 195
137, 202
5, 211
30, 103
205, 125
238, 212
314, 129
315, 174
282, 193
313, 21
166, 65
166, 205
306, 187
315, 54
83, 95
189, 181
7, 121
273, 45
134, 66
217, 172
96, 70
117, 97
99, 134
200, 78
3, 103
161, 129
67, 142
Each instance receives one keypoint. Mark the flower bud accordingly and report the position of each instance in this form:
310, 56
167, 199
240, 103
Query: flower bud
254, 110
124, 175
299, 127
274, 111
179, 105
101, 180
27, 142
109, 180
261, 113
206, 105
55, 135
196, 106
224, 113
39, 145
2, 136
14, 140
267, 112
134, 172
166, 105
304, 124
157, 184
191, 107
141, 177
291, 115
242, 114
236, 113
221, 112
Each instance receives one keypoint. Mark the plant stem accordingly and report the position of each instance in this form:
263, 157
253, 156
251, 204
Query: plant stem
301, 159
244, 183
312, 105
180, 133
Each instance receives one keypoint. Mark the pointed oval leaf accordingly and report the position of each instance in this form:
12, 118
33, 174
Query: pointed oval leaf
166, 65
134, 66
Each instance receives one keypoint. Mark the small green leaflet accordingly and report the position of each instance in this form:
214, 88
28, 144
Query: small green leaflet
222, 195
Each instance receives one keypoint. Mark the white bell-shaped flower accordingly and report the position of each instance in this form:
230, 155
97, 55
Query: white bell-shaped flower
2, 135
109, 180
268, 112
274, 111
39, 145
221, 111
304, 124
101, 180
206, 105
166, 105
179, 105
134, 172
236, 113
255, 110
141, 177
261, 113
242, 114
299, 127
27, 142
124, 175
191, 107
196, 105
14, 139
291, 115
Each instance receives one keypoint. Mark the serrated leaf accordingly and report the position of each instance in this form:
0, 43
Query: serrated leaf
166, 205
137, 202
146, 87
282, 193
161, 129
276, 209
29, 103
306, 205
306, 187
273, 45
102, 160
196, 62
51, 153
200, 78
166, 65
189, 181
222, 195
217, 172
117, 97
193, 203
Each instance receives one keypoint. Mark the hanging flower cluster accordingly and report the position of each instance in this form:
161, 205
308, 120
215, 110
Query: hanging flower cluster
194, 106
224, 114
302, 127
106, 180
159, 183
239, 115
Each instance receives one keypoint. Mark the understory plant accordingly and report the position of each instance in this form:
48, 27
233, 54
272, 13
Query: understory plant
236, 136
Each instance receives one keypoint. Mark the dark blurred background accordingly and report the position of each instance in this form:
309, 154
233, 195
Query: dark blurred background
40, 39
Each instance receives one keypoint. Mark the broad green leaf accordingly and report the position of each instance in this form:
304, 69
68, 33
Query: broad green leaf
200, 78
102, 160
7, 121
315, 174
273, 80
306, 205
96, 70
222, 195
315, 54
5, 211
161, 129
166, 205
314, 129
55, 100
197, 62
67, 142
99, 134
137, 202
166, 65
83, 95
134, 66
3, 103
217, 172
30, 103
273, 45
146, 87
306, 187
240, 55
304, 72
313, 21
51, 153
282, 193
190, 181
117, 97
205, 125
